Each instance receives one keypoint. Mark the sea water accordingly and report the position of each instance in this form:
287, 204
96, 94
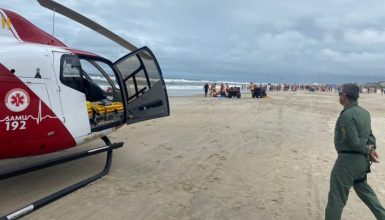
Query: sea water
175, 87
185, 87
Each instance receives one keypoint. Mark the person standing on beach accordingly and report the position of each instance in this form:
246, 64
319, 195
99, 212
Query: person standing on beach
252, 87
206, 89
223, 90
356, 147
213, 90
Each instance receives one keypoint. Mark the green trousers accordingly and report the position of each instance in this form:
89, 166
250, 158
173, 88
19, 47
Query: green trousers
347, 169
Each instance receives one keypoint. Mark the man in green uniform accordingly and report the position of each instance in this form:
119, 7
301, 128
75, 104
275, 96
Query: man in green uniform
356, 147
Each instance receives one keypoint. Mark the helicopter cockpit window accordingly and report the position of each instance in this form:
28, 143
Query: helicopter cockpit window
152, 69
140, 73
70, 72
95, 75
108, 70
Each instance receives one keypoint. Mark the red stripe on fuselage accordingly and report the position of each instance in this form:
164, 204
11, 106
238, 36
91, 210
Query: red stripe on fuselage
32, 131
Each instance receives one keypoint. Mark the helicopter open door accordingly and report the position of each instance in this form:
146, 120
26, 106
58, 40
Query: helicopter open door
146, 94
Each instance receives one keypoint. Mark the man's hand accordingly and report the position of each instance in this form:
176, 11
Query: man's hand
373, 155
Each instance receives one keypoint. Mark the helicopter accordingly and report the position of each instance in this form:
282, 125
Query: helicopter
54, 97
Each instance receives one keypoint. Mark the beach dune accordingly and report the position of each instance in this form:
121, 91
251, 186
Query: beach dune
213, 158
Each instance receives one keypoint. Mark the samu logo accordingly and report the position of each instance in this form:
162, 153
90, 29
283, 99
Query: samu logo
17, 100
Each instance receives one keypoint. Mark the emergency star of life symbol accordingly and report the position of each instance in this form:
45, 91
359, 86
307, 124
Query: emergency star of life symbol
17, 100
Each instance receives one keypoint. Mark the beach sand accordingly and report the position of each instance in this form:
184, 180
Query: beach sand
213, 158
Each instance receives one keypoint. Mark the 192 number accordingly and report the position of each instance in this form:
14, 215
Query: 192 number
15, 125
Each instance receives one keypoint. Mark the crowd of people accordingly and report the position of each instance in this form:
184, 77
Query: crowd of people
302, 87
213, 89
260, 89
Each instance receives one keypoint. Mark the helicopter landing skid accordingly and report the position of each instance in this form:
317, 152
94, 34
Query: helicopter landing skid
63, 192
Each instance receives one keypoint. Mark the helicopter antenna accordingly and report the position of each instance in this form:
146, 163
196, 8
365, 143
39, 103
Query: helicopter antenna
53, 22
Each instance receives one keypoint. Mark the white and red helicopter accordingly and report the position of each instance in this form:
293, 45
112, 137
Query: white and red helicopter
54, 97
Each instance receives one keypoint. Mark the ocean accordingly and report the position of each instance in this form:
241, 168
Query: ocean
184, 87
175, 87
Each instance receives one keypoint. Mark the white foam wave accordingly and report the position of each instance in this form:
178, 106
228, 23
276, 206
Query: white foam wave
186, 81
185, 87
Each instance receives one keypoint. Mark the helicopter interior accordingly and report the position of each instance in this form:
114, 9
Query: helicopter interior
96, 79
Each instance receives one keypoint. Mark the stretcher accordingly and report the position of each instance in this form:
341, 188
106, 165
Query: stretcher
99, 109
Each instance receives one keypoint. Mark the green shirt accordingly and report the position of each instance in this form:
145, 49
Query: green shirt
353, 130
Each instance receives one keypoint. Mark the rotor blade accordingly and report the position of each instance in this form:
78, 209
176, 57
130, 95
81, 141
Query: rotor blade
54, 6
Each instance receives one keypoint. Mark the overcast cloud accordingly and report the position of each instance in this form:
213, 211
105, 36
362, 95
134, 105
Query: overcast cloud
246, 40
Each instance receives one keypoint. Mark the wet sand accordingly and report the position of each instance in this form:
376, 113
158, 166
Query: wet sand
213, 158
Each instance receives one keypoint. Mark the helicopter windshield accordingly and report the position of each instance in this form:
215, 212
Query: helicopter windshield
108, 70
94, 74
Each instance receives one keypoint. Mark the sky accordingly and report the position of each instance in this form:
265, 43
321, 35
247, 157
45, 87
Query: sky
294, 41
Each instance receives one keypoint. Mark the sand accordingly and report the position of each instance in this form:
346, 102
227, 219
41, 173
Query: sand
213, 158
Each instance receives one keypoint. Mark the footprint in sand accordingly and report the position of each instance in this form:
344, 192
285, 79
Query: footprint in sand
214, 141
178, 157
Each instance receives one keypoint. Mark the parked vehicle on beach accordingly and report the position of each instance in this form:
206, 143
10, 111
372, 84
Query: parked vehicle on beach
234, 92
259, 93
